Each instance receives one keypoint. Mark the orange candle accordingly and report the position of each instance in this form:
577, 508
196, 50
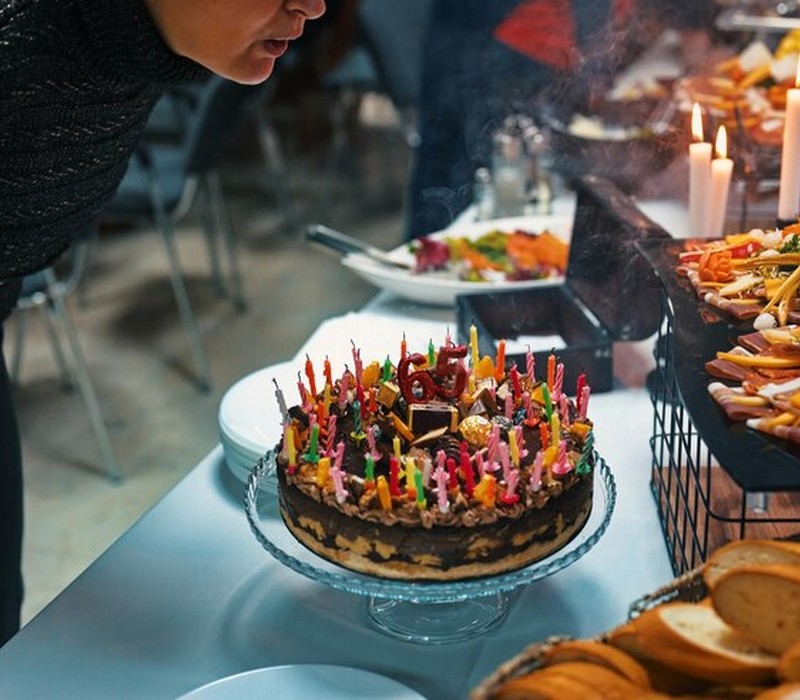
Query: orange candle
500, 362
327, 371
383, 493
312, 382
551, 371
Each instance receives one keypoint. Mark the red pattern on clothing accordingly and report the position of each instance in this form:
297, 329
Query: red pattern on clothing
622, 10
543, 30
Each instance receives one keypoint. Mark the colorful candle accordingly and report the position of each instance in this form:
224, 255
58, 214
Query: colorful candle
581, 382
544, 434
452, 472
509, 410
505, 461
479, 465
394, 476
421, 501
396, 446
473, 345
281, 402
431, 353
312, 453
369, 472
548, 404
561, 464
555, 426
513, 447
789, 193
530, 366
721, 170
699, 176
486, 491
326, 369
441, 478
387, 369
359, 367
344, 386
411, 469
323, 472
536, 473
338, 484
500, 361
357, 418
331, 434
558, 383
372, 447
384, 496
291, 450
551, 371
312, 380
372, 403
510, 496
403, 347
493, 443
515, 383
584, 404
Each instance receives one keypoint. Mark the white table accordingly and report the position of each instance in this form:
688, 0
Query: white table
187, 595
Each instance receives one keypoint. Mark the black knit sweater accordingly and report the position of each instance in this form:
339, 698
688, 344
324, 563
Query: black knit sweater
78, 79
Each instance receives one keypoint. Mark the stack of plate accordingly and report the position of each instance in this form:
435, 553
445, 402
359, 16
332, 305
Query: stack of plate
250, 419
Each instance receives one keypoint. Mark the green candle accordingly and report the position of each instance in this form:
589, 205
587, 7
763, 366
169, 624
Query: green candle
548, 403
313, 444
431, 353
369, 472
421, 502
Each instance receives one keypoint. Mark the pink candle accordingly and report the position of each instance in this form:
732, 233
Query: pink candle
509, 406
530, 364
515, 384
505, 459
344, 385
699, 176
479, 465
536, 474
441, 477
584, 403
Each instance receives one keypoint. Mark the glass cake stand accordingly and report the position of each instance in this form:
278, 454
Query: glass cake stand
422, 612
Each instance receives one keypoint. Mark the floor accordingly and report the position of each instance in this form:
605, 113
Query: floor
160, 424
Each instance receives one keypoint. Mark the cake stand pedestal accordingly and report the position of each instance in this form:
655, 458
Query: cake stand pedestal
420, 612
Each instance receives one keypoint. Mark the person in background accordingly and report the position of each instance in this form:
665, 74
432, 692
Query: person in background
78, 79
484, 61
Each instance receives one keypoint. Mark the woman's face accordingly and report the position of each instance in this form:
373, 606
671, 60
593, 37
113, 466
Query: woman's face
237, 39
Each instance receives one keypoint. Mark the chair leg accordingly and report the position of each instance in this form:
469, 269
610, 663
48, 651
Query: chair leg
21, 327
217, 201
276, 168
210, 232
84, 383
50, 320
164, 226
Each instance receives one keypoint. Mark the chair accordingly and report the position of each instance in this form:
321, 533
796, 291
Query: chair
164, 180
45, 292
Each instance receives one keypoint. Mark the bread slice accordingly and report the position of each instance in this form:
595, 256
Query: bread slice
763, 602
662, 678
601, 654
785, 691
610, 684
742, 552
789, 664
539, 686
691, 638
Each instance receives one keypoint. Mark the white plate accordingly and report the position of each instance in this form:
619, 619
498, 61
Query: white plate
302, 682
249, 417
440, 291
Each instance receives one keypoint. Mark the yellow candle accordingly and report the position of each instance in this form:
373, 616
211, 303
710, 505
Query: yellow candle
326, 398
410, 479
486, 490
291, 451
323, 471
513, 447
473, 344
383, 493
396, 445
555, 427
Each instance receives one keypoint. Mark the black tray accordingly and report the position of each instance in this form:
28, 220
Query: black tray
756, 461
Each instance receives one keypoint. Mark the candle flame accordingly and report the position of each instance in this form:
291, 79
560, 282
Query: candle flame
697, 123
721, 145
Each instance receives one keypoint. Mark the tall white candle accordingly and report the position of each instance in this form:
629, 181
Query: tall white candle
789, 194
721, 170
699, 176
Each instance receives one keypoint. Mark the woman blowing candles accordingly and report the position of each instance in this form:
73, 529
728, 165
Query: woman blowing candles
78, 79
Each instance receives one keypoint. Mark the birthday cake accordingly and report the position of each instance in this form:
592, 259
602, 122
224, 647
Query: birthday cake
437, 468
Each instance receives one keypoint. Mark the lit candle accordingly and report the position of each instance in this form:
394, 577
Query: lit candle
789, 194
473, 345
699, 176
500, 361
721, 169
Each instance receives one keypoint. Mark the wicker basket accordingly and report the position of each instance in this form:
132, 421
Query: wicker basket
688, 588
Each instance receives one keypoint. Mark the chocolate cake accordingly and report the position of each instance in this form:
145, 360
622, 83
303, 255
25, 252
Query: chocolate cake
436, 469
